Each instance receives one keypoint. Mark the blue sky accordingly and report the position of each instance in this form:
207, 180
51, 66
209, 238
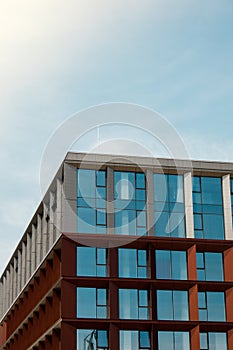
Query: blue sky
58, 57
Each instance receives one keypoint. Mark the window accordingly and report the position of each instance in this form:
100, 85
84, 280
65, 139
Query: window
231, 184
132, 340
209, 266
130, 203
91, 261
208, 207
213, 341
171, 264
133, 304
132, 263
91, 303
169, 205
91, 201
211, 306
172, 305
92, 339
173, 341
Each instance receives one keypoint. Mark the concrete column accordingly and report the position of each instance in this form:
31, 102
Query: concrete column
51, 219
4, 294
11, 283
28, 257
7, 289
15, 287
44, 231
19, 277
33, 249
23, 268
38, 240
1, 300
150, 202
58, 213
226, 194
69, 203
188, 200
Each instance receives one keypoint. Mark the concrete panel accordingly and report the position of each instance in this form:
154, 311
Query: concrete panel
188, 200
226, 192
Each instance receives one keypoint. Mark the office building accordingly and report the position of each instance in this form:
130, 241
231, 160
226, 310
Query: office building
124, 253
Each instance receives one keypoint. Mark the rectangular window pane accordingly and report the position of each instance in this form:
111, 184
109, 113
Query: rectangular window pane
128, 303
129, 340
214, 266
100, 178
217, 341
86, 302
127, 262
180, 305
216, 306
179, 265
164, 305
163, 264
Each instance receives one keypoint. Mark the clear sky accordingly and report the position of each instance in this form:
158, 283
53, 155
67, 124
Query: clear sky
58, 57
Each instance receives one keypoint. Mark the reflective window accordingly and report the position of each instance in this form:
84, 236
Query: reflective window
132, 263
92, 339
209, 266
208, 207
130, 203
173, 341
169, 205
171, 264
132, 340
213, 341
91, 261
211, 306
91, 302
172, 305
133, 304
91, 201
231, 182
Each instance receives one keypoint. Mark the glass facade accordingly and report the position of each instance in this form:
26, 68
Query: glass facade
91, 201
130, 203
173, 341
132, 263
92, 339
91, 302
171, 264
169, 205
209, 266
213, 341
133, 304
172, 305
153, 259
91, 261
130, 340
208, 207
211, 306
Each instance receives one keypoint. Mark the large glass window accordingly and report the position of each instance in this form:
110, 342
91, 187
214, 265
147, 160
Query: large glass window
133, 340
132, 263
91, 261
172, 305
171, 264
91, 302
173, 341
213, 341
92, 339
91, 201
209, 266
208, 207
130, 203
133, 304
211, 306
169, 205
